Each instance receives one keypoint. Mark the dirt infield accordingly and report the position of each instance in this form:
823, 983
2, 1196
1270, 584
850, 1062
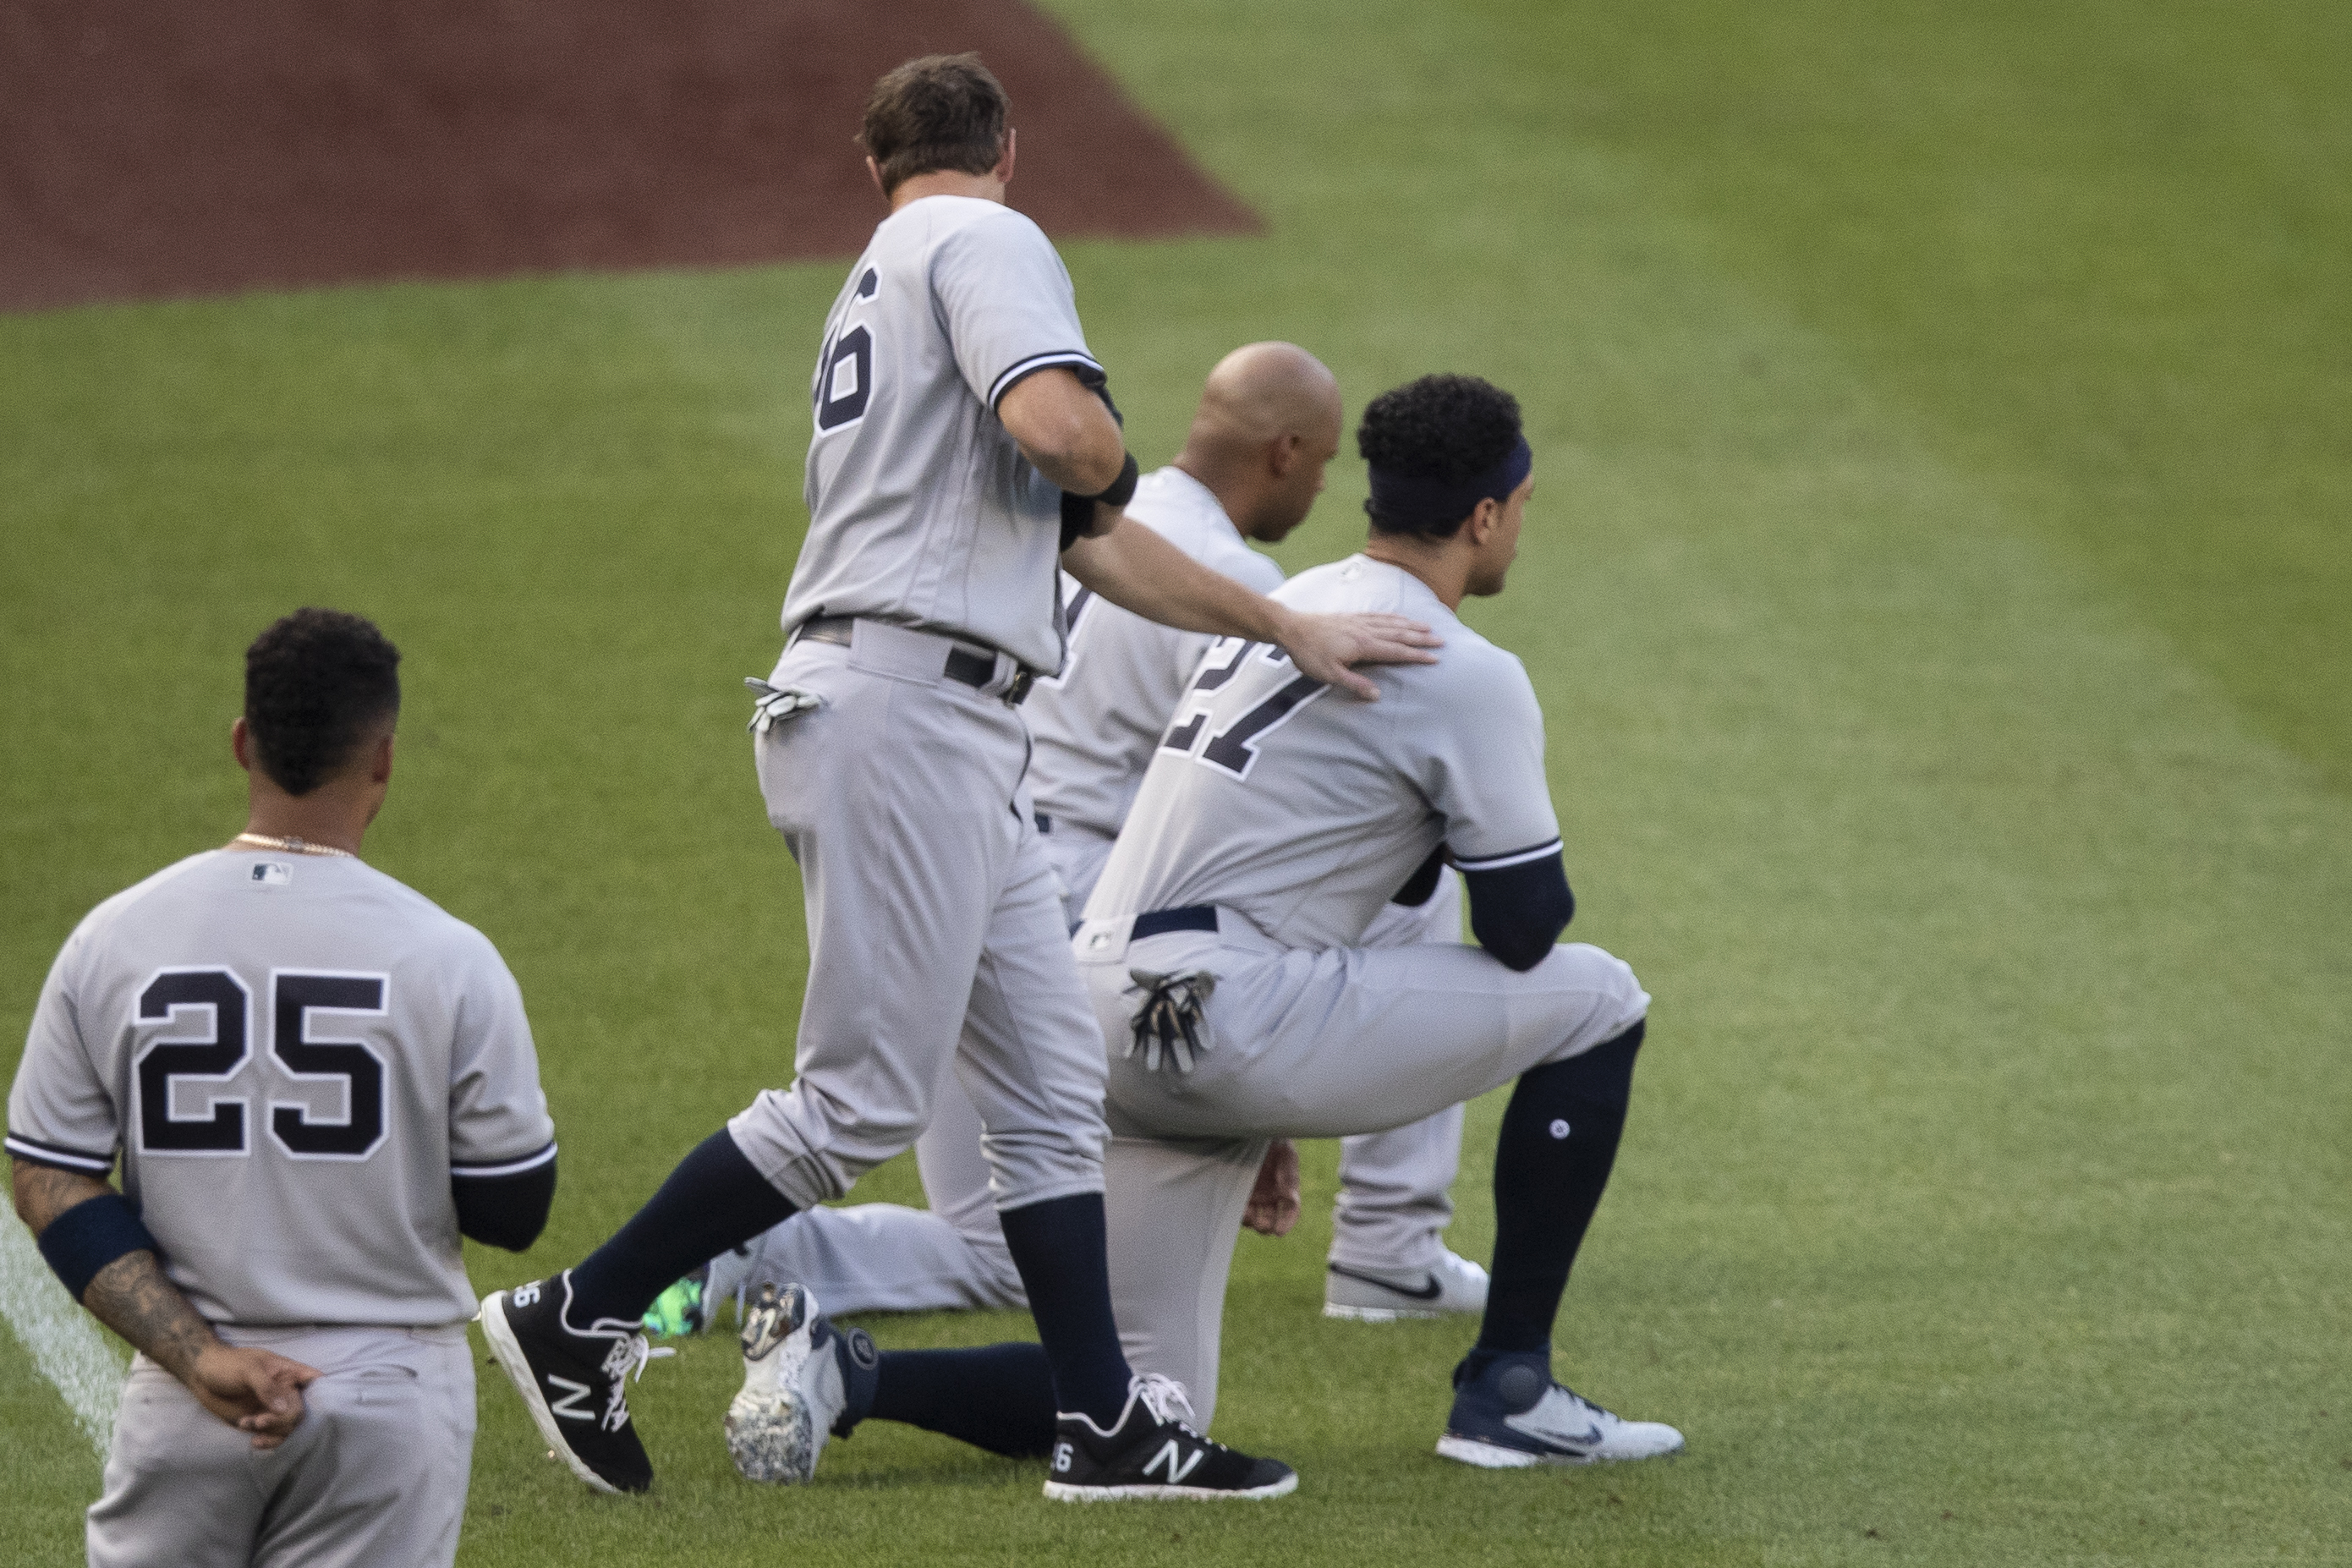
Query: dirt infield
153, 147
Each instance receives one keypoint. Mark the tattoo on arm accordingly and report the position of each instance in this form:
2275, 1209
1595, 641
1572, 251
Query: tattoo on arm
130, 1294
44, 1192
131, 1297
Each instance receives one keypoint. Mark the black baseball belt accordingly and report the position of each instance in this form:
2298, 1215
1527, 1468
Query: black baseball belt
967, 667
1159, 923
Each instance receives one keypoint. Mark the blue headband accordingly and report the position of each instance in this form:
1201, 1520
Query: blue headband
1407, 503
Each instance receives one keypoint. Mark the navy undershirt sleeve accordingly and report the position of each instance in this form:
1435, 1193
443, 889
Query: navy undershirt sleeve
1518, 911
505, 1211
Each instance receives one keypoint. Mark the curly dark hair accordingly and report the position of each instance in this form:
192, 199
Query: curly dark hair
316, 683
1451, 428
941, 112
1446, 427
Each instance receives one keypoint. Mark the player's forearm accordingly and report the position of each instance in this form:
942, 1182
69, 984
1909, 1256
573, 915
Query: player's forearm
131, 1297
129, 1294
1137, 570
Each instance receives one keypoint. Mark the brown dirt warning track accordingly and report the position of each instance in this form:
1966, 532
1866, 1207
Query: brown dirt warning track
163, 148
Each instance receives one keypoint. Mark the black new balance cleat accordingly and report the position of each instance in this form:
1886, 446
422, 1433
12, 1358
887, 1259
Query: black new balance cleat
1152, 1453
573, 1383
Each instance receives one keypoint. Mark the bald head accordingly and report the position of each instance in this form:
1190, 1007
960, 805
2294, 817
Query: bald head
1267, 422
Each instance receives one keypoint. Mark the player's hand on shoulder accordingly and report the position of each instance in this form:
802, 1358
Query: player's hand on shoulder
1324, 646
1274, 1202
256, 1391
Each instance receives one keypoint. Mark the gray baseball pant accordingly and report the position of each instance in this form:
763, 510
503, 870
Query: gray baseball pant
374, 1477
1396, 1187
1393, 1207
1301, 1045
935, 931
886, 1258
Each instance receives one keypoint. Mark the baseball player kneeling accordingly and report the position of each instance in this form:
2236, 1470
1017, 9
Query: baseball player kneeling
1222, 947
315, 1081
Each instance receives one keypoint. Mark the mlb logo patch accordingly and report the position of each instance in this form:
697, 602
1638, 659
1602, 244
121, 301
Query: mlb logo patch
272, 874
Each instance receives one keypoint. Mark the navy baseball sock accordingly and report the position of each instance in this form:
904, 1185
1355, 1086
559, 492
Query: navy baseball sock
1559, 1140
714, 1199
1059, 1247
997, 1397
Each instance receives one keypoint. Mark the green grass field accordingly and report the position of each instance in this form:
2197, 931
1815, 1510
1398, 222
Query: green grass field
1940, 590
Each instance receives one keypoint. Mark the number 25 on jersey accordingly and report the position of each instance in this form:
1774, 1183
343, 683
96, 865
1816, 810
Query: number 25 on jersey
212, 1009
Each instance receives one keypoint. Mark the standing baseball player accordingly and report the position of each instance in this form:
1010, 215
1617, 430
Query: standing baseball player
1223, 944
1268, 424
315, 1080
962, 445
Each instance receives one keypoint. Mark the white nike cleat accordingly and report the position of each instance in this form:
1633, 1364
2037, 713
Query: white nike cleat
1452, 1284
1513, 1414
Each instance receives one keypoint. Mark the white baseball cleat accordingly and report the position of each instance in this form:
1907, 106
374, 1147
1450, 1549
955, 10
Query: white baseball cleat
796, 1377
1452, 1284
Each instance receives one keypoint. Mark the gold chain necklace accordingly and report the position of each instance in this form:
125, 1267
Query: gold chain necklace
291, 845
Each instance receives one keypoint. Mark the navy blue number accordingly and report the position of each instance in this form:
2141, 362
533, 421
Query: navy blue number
222, 1132
1179, 737
1234, 747
362, 1128
846, 379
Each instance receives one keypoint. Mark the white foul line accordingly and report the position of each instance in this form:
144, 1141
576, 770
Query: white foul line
66, 1342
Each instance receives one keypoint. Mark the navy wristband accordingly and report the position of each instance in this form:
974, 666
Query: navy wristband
1079, 511
84, 1239
1123, 488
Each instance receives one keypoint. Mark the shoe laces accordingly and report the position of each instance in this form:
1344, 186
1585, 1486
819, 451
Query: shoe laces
623, 1364
1602, 1418
1164, 1396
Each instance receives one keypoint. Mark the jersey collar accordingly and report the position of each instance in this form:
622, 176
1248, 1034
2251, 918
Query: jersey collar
1194, 494
1414, 597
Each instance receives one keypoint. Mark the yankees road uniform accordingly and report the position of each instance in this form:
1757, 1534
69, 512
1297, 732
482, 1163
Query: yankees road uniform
1276, 820
1095, 726
1096, 730
889, 751
294, 1057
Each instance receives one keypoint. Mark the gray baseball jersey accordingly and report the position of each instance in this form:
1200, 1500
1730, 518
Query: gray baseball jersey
1096, 724
1308, 839
292, 1054
922, 510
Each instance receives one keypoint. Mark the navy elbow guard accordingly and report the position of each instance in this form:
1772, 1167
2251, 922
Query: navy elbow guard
80, 1243
1079, 511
